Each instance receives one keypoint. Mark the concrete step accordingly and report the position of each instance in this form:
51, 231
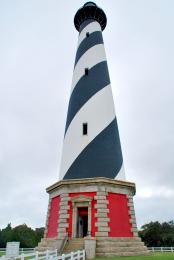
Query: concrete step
74, 245
120, 249
43, 248
71, 250
49, 244
118, 244
139, 253
119, 239
121, 246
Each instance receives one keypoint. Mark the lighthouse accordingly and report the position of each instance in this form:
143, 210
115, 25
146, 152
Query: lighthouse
91, 145
91, 206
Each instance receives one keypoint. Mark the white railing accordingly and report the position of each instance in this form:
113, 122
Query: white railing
25, 250
45, 255
79, 255
51, 255
21, 250
161, 249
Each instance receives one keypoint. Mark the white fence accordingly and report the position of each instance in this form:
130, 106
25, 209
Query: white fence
79, 255
45, 255
161, 249
52, 255
21, 250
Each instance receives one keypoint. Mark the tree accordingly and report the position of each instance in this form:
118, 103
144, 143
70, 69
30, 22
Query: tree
39, 233
22, 233
6, 234
25, 235
156, 234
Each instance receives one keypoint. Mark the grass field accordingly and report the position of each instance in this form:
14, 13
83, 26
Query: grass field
154, 256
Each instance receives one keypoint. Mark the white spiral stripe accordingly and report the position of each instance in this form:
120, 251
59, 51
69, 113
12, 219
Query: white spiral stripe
121, 174
98, 112
89, 59
92, 27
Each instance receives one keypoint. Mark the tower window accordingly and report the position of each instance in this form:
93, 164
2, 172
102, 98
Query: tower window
86, 71
87, 34
85, 128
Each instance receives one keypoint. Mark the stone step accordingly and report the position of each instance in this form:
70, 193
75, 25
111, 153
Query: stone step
49, 244
118, 244
139, 253
71, 245
119, 239
77, 239
66, 251
120, 249
74, 245
76, 242
43, 248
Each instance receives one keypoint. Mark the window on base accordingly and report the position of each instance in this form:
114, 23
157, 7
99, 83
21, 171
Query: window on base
85, 128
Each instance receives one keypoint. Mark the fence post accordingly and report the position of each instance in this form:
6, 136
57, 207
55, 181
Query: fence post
37, 255
72, 255
47, 254
22, 256
152, 249
171, 248
63, 257
83, 254
78, 255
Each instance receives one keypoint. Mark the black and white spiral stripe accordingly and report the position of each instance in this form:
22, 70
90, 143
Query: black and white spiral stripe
98, 154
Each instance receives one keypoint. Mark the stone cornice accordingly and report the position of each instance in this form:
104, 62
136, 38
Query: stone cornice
91, 181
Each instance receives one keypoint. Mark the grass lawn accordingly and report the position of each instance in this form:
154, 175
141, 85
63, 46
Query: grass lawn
151, 256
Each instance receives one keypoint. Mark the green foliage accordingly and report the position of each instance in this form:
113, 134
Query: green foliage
158, 234
6, 235
25, 235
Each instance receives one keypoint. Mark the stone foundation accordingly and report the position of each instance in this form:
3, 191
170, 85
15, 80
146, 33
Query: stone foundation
109, 211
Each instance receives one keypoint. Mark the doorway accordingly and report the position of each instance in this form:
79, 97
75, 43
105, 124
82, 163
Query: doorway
81, 216
82, 222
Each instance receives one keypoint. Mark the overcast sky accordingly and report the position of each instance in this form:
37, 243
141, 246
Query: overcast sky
37, 49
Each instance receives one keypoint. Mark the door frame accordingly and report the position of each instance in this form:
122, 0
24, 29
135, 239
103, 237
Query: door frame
77, 202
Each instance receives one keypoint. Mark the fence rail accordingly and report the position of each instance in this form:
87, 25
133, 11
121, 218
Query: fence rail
161, 249
21, 250
48, 255
79, 255
45, 255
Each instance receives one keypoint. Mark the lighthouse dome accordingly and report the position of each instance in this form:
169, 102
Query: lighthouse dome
90, 11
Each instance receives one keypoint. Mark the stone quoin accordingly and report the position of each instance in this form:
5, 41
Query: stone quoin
92, 203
